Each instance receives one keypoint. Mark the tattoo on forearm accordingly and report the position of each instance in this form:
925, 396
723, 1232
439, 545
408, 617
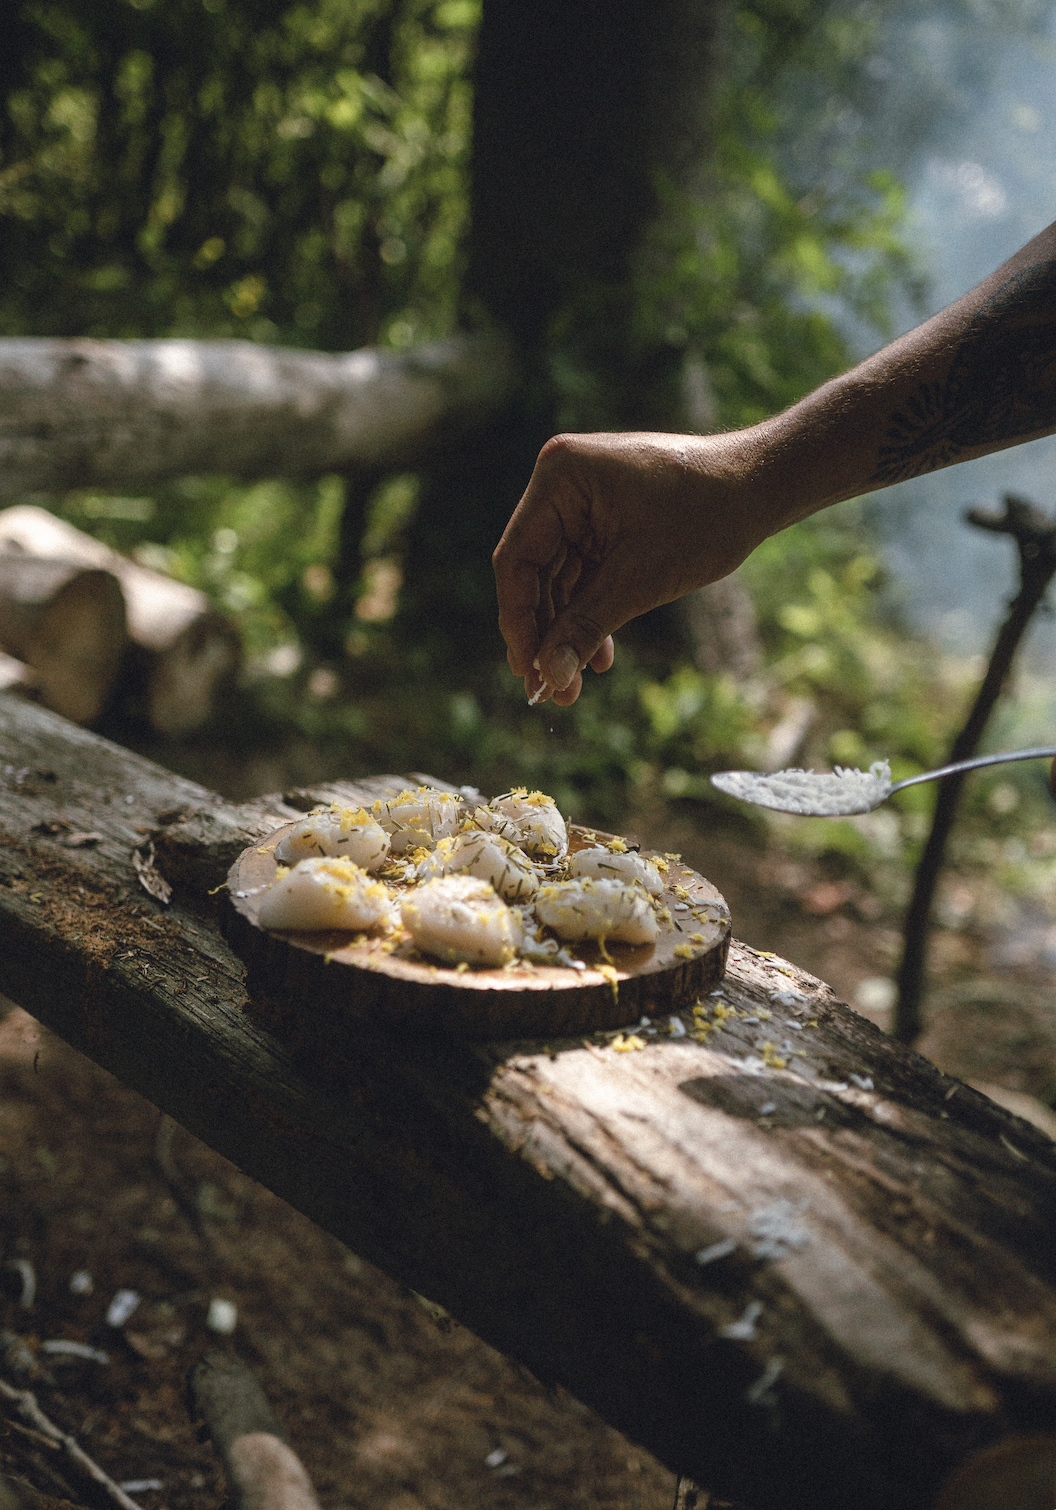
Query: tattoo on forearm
1001, 386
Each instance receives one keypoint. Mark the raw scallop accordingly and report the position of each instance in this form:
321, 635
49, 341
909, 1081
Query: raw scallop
419, 818
530, 820
603, 864
348, 832
597, 910
324, 893
461, 920
489, 858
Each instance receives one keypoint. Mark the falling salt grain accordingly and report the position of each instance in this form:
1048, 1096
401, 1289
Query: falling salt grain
496, 1459
678, 1027
121, 1307
222, 1316
140, 1486
81, 1283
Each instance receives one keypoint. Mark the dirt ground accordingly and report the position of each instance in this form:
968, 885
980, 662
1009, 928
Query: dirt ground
387, 1409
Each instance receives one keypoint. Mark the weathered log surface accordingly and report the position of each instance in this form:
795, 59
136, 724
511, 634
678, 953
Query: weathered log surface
814, 1283
183, 654
118, 414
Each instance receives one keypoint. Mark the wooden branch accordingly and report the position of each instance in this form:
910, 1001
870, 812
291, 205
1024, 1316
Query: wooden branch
67, 622
262, 1469
121, 414
793, 1259
1035, 538
184, 653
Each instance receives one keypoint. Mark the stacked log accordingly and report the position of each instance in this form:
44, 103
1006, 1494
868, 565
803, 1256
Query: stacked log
84, 618
66, 622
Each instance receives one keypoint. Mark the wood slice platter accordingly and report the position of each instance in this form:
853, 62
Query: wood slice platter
308, 985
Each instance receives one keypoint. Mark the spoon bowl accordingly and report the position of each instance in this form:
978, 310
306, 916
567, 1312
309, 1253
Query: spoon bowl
839, 793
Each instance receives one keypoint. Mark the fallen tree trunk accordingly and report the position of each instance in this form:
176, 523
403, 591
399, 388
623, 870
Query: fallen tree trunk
182, 652
787, 1254
120, 414
66, 621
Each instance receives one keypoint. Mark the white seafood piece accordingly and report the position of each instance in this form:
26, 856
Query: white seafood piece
588, 909
325, 893
539, 828
489, 858
348, 832
461, 920
603, 864
418, 818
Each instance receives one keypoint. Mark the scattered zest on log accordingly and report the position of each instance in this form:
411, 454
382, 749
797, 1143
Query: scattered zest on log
183, 653
67, 622
779, 1249
262, 1469
119, 414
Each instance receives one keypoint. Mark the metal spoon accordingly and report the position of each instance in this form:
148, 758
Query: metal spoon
834, 795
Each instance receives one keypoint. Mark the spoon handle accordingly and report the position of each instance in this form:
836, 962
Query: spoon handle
1039, 752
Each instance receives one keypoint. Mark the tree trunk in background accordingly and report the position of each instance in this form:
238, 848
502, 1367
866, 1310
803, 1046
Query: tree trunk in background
582, 112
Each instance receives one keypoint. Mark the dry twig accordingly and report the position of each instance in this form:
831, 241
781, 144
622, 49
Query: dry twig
26, 1405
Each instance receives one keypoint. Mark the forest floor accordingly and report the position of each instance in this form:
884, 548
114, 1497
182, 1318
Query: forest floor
387, 1409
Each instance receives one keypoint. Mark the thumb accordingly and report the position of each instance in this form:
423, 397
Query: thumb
571, 642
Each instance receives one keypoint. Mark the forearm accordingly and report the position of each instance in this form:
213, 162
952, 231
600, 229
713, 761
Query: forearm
978, 377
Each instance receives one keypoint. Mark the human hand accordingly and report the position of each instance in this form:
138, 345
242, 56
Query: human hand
611, 526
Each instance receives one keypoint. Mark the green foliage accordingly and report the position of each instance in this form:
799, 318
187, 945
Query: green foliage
285, 171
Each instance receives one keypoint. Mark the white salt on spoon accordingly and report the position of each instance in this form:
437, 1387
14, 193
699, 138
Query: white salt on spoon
836, 794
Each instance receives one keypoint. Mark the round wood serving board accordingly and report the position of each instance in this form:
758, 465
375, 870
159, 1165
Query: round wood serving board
305, 984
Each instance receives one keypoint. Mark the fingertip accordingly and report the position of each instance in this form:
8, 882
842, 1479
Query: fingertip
604, 656
566, 698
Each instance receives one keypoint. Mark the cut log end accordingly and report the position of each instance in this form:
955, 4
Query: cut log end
68, 624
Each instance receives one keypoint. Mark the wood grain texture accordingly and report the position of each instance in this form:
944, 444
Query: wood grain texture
876, 1298
314, 986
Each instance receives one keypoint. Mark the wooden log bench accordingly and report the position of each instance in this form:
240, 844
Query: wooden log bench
788, 1255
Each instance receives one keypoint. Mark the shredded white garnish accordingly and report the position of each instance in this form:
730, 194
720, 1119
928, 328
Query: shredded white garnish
812, 793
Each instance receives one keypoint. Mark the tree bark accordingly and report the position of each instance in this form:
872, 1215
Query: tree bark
126, 414
803, 1286
182, 654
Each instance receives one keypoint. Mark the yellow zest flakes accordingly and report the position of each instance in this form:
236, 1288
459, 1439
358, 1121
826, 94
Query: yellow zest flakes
681, 893
721, 1010
609, 972
764, 954
617, 847
763, 1015
812, 1022
771, 1058
660, 864
626, 1045
280, 871
668, 855
663, 914
461, 967
685, 951
606, 956
697, 938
